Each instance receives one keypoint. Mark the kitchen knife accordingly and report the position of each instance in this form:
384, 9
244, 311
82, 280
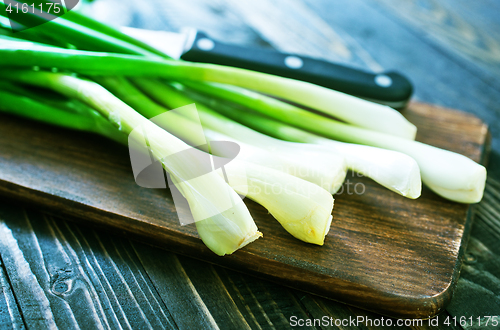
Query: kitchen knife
390, 88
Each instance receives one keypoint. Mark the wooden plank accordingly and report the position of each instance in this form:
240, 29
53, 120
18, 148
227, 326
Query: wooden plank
385, 42
477, 292
174, 286
348, 317
47, 167
118, 273
10, 317
270, 305
468, 32
64, 279
32, 298
219, 298
288, 31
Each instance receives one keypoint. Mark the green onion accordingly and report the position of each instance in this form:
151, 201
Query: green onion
7, 27
351, 109
86, 22
396, 171
345, 107
224, 224
302, 208
70, 114
448, 174
326, 169
393, 170
72, 33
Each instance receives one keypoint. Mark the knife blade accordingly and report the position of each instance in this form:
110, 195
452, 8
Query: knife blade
390, 88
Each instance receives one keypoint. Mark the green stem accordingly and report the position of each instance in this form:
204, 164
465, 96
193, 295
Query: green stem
83, 20
319, 98
84, 119
72, 33
183, 128
350, 109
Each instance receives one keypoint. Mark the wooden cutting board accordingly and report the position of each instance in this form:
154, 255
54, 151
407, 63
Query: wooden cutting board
384, 253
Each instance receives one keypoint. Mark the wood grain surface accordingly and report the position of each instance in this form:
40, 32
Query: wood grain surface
383, 250
448, 48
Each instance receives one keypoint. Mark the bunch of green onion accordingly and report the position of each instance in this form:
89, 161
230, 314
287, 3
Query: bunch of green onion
105, 82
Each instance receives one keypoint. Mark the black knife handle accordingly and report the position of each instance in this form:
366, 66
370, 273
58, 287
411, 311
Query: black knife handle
390, 88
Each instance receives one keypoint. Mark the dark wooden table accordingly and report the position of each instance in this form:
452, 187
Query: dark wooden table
56, 274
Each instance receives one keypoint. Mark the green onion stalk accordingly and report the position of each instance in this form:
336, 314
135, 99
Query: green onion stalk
77, 25
327, 170
7, 27
348, 108
79, 36
450, 175
302, 208
222, 219
68, 113
394, 170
